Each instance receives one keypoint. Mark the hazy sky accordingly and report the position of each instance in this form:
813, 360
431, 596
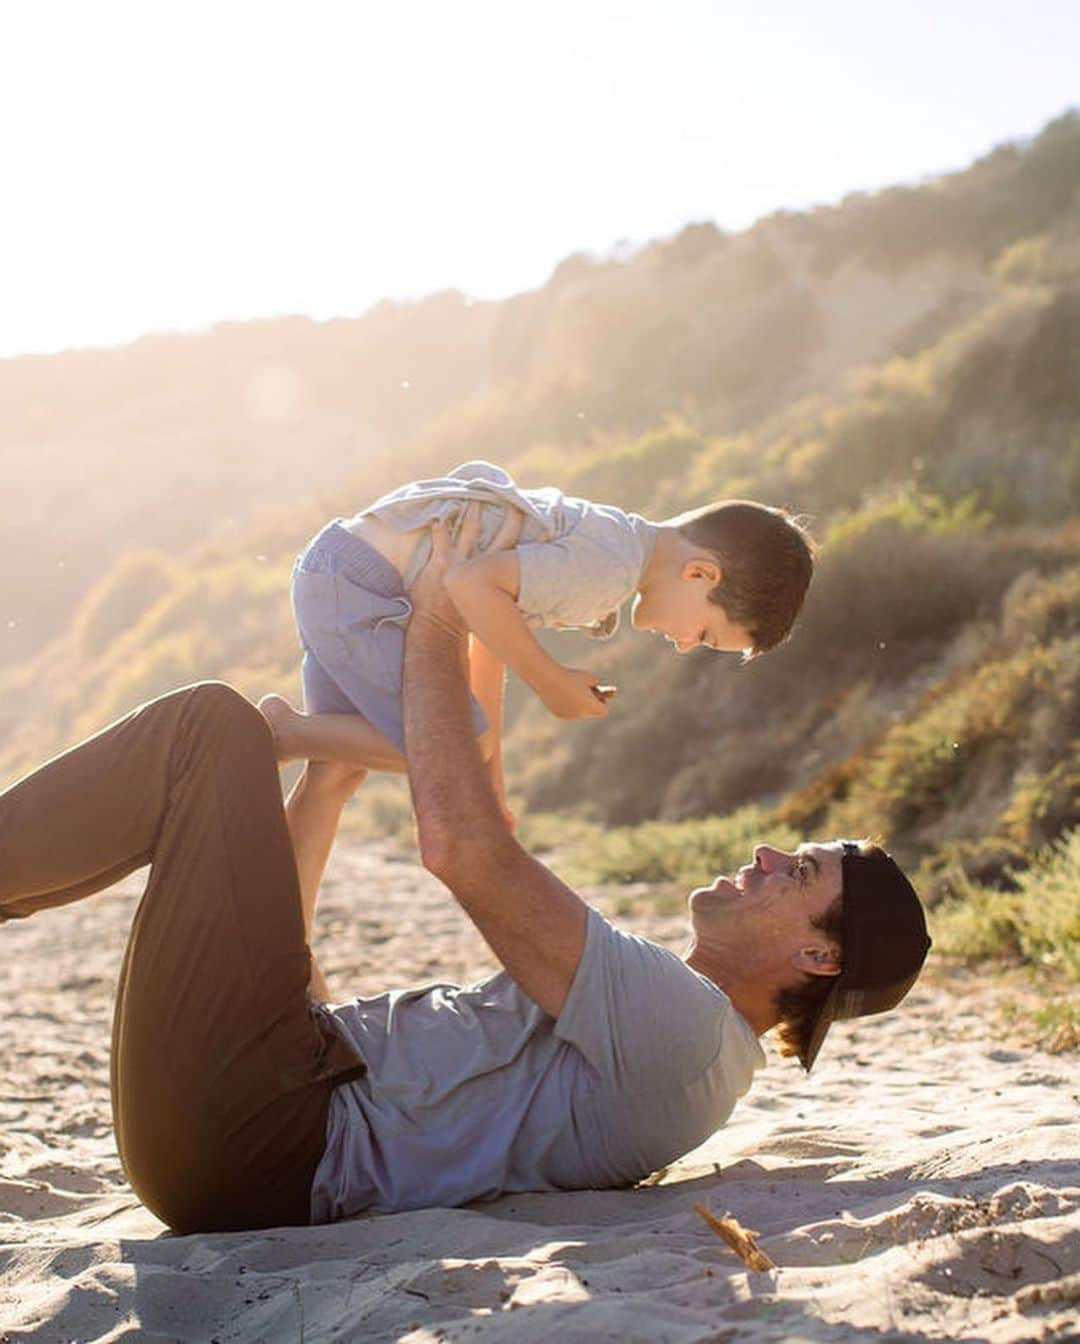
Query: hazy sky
166, 165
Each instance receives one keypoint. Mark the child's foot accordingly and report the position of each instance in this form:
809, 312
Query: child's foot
285, 723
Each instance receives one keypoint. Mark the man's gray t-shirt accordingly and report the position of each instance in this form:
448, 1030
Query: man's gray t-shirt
472, 1092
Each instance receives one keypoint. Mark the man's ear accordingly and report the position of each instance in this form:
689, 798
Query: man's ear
817, 959
701, 567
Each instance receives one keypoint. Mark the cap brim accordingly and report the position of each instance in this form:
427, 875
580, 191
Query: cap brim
825, 1018
843, 1004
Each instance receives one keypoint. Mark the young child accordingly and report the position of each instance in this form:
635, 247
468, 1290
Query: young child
731, 576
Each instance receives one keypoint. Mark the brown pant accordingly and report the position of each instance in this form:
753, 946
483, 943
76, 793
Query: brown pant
221, 1073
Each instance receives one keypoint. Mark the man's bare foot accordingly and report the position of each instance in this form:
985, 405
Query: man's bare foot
285, 723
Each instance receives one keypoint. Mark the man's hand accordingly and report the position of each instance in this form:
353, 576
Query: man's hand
574, 693
450, 553
428, 594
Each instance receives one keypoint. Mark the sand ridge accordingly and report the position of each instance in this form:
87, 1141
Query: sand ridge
923, 1183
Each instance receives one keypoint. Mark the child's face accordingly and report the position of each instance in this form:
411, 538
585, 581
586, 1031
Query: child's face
680, 610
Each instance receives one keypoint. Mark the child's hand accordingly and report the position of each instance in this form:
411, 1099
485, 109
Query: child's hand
576, 694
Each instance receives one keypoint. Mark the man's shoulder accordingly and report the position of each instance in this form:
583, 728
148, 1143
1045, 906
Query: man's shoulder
637, 1010
636, 952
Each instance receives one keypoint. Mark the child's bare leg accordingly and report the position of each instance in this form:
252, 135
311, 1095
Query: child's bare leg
313, 811
347, 738
344, 747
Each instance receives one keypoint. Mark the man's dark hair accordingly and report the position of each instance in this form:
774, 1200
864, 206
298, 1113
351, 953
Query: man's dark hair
798, 1006
767, 558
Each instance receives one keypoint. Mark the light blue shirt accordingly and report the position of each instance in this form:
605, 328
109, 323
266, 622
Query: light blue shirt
475, 1091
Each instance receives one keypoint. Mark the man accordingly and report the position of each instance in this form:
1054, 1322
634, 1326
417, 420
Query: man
596, 1057
593, 1058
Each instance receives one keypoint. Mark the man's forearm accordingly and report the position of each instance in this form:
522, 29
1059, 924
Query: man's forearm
452, 791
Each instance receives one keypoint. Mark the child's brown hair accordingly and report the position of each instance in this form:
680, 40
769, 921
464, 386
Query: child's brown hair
767, 558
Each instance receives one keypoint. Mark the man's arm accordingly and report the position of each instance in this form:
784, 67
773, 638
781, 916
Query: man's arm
533, 923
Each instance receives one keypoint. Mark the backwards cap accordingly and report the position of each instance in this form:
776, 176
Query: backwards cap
885, 942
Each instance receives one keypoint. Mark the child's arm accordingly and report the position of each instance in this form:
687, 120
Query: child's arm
485, 591
487, 678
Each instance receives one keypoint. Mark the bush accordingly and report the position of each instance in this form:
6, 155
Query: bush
976, 922
1038, 919
640, 472
174, 661
135, 583
689, 853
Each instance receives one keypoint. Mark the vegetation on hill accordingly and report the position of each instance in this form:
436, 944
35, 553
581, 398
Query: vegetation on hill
177, 439
904, 368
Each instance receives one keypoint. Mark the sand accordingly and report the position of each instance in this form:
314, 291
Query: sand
924, 1183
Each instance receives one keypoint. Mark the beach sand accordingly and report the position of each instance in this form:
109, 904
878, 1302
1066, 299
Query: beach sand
923, 1183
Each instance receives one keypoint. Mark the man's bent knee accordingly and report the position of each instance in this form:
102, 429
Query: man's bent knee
216, 697
219, 708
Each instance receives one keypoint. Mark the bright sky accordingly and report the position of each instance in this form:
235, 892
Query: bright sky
170, 163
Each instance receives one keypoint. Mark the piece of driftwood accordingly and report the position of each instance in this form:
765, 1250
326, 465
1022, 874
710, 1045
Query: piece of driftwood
741, 1241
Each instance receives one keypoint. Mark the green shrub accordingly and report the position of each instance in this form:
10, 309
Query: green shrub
976, 922
971, 735
556, 832
173, 661
638, 474
1049, 897
135, 583
1023, 262
689, 853
1044, 802
1038, 919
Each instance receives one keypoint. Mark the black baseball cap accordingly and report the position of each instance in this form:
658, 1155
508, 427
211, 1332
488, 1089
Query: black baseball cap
885, 941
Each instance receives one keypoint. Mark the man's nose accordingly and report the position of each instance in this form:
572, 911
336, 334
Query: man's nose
766, 857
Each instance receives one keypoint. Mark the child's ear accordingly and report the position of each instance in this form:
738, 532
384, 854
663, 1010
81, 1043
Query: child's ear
702, 568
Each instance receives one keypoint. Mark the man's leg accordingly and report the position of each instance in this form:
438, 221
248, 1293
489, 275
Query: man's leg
221, 1074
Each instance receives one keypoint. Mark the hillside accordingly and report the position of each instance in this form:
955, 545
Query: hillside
903, 367
179, 438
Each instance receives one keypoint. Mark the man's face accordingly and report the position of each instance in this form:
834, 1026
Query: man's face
771, 903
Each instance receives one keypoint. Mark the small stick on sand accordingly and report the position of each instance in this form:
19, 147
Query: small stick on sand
737, 1237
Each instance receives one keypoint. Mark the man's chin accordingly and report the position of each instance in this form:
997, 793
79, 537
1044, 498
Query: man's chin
723, 892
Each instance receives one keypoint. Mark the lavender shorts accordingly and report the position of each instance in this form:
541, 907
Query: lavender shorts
351, 611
